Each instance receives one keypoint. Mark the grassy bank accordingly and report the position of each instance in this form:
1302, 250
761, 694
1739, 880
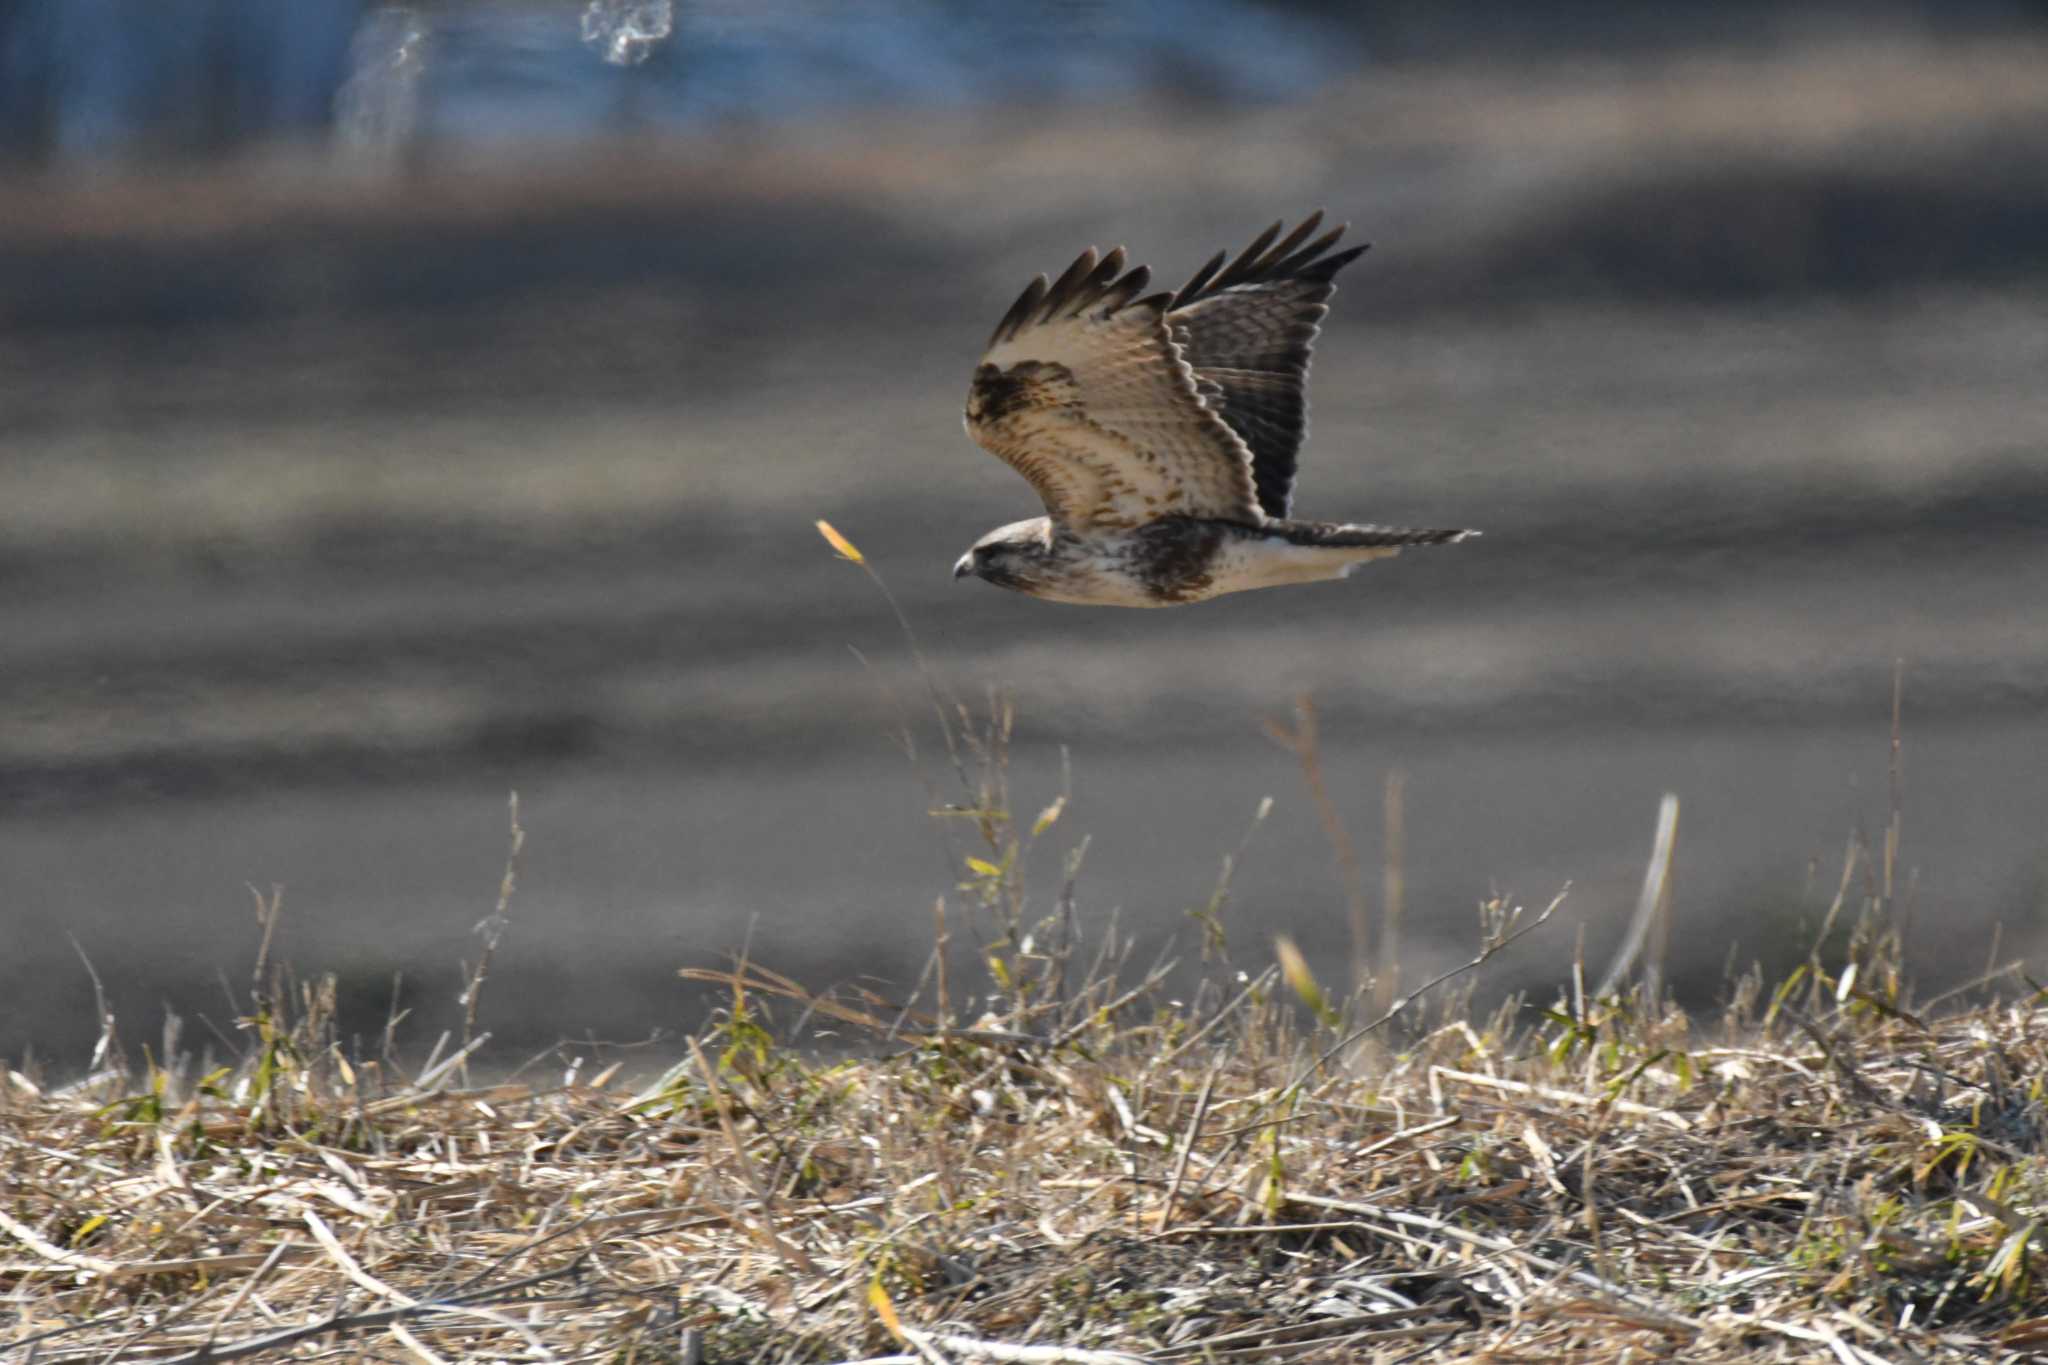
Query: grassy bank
1830, 1169
1054, 1160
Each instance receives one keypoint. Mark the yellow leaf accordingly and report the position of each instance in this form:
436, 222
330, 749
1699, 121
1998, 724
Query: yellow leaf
1046, 817
1294, 967
878, 1299
983, 867
839, 542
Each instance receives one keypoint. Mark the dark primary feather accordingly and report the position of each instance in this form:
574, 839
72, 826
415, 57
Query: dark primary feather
1246, 326
1087, 284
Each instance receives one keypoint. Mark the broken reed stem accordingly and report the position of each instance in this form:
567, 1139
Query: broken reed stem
267, 911
1642, 929
1303, 743
492, 929
1393, 889
1187, 1146
945, 1021
1895, 785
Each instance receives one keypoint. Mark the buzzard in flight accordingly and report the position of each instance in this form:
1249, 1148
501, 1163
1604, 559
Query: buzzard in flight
1162, 430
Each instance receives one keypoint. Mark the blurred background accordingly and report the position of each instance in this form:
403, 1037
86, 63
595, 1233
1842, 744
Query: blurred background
402, 404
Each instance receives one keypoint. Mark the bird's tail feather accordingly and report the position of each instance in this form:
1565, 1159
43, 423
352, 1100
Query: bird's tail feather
1347, 536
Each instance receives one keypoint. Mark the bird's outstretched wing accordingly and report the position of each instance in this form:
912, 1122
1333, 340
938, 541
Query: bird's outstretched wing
1246, 327
1083, 391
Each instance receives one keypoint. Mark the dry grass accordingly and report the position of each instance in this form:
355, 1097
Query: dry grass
1838, 1175
1069, 1166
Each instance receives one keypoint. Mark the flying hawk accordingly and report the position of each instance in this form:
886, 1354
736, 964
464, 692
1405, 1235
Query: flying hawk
1162, 430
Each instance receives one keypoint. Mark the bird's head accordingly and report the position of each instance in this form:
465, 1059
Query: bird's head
1009, 555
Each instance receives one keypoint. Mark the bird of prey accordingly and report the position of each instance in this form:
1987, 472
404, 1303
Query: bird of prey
1162, 430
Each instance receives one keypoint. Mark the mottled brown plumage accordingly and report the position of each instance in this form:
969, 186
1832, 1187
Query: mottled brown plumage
1163, 431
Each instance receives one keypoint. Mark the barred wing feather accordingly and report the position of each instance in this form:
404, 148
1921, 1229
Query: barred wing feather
1246, 329
1085, 393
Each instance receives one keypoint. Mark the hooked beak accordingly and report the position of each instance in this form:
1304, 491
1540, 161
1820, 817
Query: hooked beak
964, 565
